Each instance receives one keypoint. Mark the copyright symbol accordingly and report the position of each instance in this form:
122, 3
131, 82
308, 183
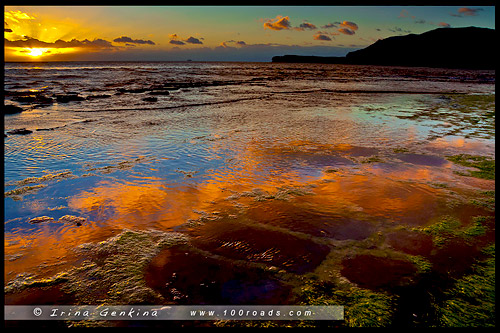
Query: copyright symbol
37, 311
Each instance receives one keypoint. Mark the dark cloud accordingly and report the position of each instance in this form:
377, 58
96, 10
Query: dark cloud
193, 40
33, 42
125, 39
320, 36
238, 43
346, 31
399, 30
307, 25
6, 27
176, 42
330, 25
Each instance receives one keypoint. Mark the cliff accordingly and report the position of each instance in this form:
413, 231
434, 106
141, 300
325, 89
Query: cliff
469, 47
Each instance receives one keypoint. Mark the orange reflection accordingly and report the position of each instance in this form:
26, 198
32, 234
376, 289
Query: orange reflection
373, 195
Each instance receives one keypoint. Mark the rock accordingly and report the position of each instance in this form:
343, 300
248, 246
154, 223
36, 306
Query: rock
442, 47
97, 96
20, 131
11, 109
41, 219
160, 92
32, 97
150, 99
133, 91
69, 98
75, 220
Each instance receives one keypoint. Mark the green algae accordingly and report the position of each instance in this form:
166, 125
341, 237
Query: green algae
471, 301
484, 164
449, 227
362, 307
422, 264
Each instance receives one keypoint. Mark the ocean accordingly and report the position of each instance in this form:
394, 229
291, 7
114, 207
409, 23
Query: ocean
233, 183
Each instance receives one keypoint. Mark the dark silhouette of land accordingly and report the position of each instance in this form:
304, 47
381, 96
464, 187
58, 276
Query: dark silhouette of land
469, 47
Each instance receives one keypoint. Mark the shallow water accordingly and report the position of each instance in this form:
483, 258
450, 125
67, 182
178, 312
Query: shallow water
277, 165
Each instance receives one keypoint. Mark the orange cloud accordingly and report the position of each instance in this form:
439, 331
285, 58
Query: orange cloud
468, 11
349, 25
279, 23
320, 36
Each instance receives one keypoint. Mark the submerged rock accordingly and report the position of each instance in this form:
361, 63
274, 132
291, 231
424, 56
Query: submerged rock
12, 109
41, 219
98, 96
20, 131
70, 219
69, 98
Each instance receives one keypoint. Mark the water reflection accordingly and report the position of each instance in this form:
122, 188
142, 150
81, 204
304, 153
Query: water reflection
315, 189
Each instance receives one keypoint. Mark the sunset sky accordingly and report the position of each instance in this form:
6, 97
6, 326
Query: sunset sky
216, 33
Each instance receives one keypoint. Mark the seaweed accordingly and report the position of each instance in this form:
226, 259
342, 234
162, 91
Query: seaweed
471, 301
485, 165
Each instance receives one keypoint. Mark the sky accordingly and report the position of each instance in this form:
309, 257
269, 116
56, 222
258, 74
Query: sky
216, 33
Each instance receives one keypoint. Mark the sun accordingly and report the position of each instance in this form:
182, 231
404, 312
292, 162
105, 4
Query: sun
36, 52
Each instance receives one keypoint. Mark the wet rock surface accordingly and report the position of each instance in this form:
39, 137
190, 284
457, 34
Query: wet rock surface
376, 272
186, 277
247, 243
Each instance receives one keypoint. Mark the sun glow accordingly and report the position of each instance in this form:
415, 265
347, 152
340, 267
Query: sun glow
36, 52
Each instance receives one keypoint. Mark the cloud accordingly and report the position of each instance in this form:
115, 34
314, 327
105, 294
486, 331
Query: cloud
279, 23
404, 13
465, 11
330, 25
193, 40
346, 31
320, 36
238, 43
349, 25
125, 39
348, 28
443, 24
29, 42
176, 42
398, 29
17, 15
307, 25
